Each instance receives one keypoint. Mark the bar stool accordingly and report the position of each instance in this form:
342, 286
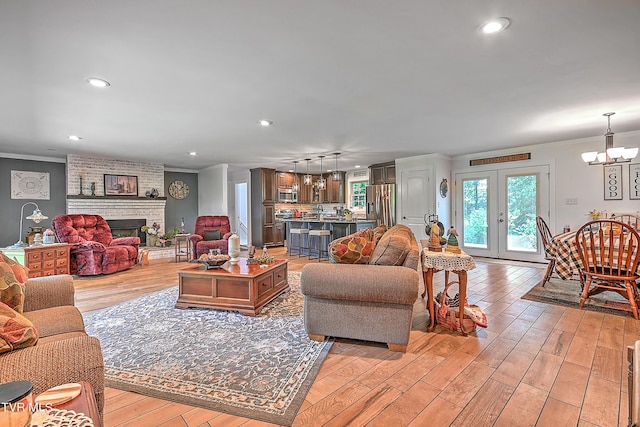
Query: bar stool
322, 236
301, 233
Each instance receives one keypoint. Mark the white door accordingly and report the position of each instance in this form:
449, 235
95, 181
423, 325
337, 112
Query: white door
414, 200
496, 212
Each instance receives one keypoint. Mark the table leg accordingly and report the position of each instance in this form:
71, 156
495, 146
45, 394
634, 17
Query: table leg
462, 276
428, 286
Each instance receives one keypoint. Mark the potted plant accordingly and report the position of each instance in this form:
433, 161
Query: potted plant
348, 215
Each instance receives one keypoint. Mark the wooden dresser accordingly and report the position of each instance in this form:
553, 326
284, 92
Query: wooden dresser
42, 260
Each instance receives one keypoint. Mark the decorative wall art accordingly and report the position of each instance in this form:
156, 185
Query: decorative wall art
120, 185
613, 182
178, 190
634, 181
30, 185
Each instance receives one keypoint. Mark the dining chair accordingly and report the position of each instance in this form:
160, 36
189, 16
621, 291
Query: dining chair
632, 219
545, 236
609, 252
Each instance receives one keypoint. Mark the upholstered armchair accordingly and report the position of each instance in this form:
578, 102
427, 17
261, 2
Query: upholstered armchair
94, 250
211, 232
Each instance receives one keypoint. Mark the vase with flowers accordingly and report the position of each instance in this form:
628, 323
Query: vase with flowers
152, 233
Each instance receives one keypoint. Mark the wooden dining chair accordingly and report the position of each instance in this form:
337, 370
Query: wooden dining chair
545, 236
632, 219
609, 252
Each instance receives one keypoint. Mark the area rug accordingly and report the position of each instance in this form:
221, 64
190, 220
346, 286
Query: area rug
256, 367
567, 293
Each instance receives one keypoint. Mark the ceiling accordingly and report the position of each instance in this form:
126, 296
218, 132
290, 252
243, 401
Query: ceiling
373, 79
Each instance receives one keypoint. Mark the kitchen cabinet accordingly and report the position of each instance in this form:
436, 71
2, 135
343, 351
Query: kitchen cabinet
285, 179
278, 236
335, 190
263, 210
382, 173
309, 193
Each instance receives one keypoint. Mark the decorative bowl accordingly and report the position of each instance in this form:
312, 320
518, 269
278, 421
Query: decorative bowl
216, 262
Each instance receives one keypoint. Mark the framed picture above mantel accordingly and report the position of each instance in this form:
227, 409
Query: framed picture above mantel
120, 185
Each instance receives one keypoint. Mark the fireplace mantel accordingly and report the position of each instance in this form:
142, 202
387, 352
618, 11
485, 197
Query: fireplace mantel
84, 197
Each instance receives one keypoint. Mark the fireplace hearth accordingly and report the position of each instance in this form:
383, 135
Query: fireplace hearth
128, 228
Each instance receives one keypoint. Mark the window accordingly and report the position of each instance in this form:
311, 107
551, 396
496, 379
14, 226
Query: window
359, 194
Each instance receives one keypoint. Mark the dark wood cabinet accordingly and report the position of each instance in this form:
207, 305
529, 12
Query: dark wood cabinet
382, 173
285, 179
263, 210
278, 235
309, 193
335, 190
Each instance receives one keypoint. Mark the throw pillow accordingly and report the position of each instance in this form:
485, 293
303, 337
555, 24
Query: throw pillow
16, 331
378, 232
355, 248
21, 272
11, 290
211, 235
393, 247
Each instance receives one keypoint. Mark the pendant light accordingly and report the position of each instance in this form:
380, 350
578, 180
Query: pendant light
308, 179
295, 186
336, 173
611, 154
322, 183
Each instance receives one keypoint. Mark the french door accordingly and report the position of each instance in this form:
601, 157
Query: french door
495, 212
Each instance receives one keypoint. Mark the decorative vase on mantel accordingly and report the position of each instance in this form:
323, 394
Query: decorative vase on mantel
234, 249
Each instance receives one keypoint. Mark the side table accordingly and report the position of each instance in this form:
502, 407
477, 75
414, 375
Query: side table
84, 403
449, 262
183, 248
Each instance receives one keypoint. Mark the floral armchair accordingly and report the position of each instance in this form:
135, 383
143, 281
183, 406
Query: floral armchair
206, 231
94, 250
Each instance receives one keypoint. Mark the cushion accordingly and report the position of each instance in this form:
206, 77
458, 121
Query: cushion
16, 331
393, 247
355, 248
11, 289
211, 235
378, 232
21, 272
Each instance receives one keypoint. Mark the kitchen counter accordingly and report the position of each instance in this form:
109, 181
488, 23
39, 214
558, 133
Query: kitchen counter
339, 227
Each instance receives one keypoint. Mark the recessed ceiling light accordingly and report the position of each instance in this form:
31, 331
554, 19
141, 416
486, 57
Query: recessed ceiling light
96, 82
74, 137
193, 153
357, 166
265, 123
495, 25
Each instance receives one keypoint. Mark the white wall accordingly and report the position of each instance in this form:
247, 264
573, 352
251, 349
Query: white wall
570, 177
213, 190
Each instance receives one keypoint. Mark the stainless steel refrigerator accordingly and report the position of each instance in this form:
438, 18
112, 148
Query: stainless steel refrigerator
381, 204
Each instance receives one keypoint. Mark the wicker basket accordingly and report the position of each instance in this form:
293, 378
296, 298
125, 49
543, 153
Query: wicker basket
450, 317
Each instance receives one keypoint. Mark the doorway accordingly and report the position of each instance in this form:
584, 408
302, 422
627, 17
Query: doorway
496, 212
242, 212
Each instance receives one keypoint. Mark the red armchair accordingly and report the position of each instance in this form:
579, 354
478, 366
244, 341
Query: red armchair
94, 250
205, 225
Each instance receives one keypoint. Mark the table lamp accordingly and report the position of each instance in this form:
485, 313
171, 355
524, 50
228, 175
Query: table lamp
36, 216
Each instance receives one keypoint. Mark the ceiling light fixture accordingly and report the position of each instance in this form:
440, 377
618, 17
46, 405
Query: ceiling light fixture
193, 153
322, 183
265, 123
495, 25
336, 173
74, 137
611, 154
96, 82
295, 186
307, 179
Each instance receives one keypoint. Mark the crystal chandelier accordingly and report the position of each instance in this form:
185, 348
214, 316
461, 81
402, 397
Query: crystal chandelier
307, 179
295, 186
336, 172
611, 154
322, 183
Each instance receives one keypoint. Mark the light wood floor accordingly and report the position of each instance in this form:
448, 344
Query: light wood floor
536, 364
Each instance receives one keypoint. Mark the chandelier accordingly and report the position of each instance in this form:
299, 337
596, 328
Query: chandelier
307, 179
295, 186
611, 154
336, 172
322, 183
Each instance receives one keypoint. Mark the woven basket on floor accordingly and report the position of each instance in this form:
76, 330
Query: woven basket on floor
450, 317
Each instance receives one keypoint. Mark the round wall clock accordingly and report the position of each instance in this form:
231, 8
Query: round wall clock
178, 190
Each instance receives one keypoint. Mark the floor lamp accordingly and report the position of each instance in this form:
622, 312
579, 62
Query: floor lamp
36, 216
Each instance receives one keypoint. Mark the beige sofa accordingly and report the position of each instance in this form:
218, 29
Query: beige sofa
368, 302
64, 353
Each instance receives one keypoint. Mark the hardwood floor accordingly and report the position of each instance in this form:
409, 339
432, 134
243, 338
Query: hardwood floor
536, 364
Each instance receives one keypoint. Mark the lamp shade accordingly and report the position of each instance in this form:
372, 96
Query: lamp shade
630, 153
37, 216
589, 156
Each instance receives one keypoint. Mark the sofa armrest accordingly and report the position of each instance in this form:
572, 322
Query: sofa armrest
125, 241
87, 246
57, 362
357, 282
227, 235
48, 291
195, 238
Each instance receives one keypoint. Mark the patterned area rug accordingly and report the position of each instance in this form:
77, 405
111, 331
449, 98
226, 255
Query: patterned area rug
567, 293
256, 367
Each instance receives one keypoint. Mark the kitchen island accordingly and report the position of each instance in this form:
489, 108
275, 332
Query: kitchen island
338, 227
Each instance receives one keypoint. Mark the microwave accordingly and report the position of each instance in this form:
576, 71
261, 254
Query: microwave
287, 195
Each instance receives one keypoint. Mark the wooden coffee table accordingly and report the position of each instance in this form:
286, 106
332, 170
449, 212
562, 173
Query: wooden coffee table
243, 287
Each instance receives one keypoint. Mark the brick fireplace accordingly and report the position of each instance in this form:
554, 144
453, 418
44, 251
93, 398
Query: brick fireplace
128, 228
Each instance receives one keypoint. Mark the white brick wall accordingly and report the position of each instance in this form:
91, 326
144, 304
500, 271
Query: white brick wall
150, 175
